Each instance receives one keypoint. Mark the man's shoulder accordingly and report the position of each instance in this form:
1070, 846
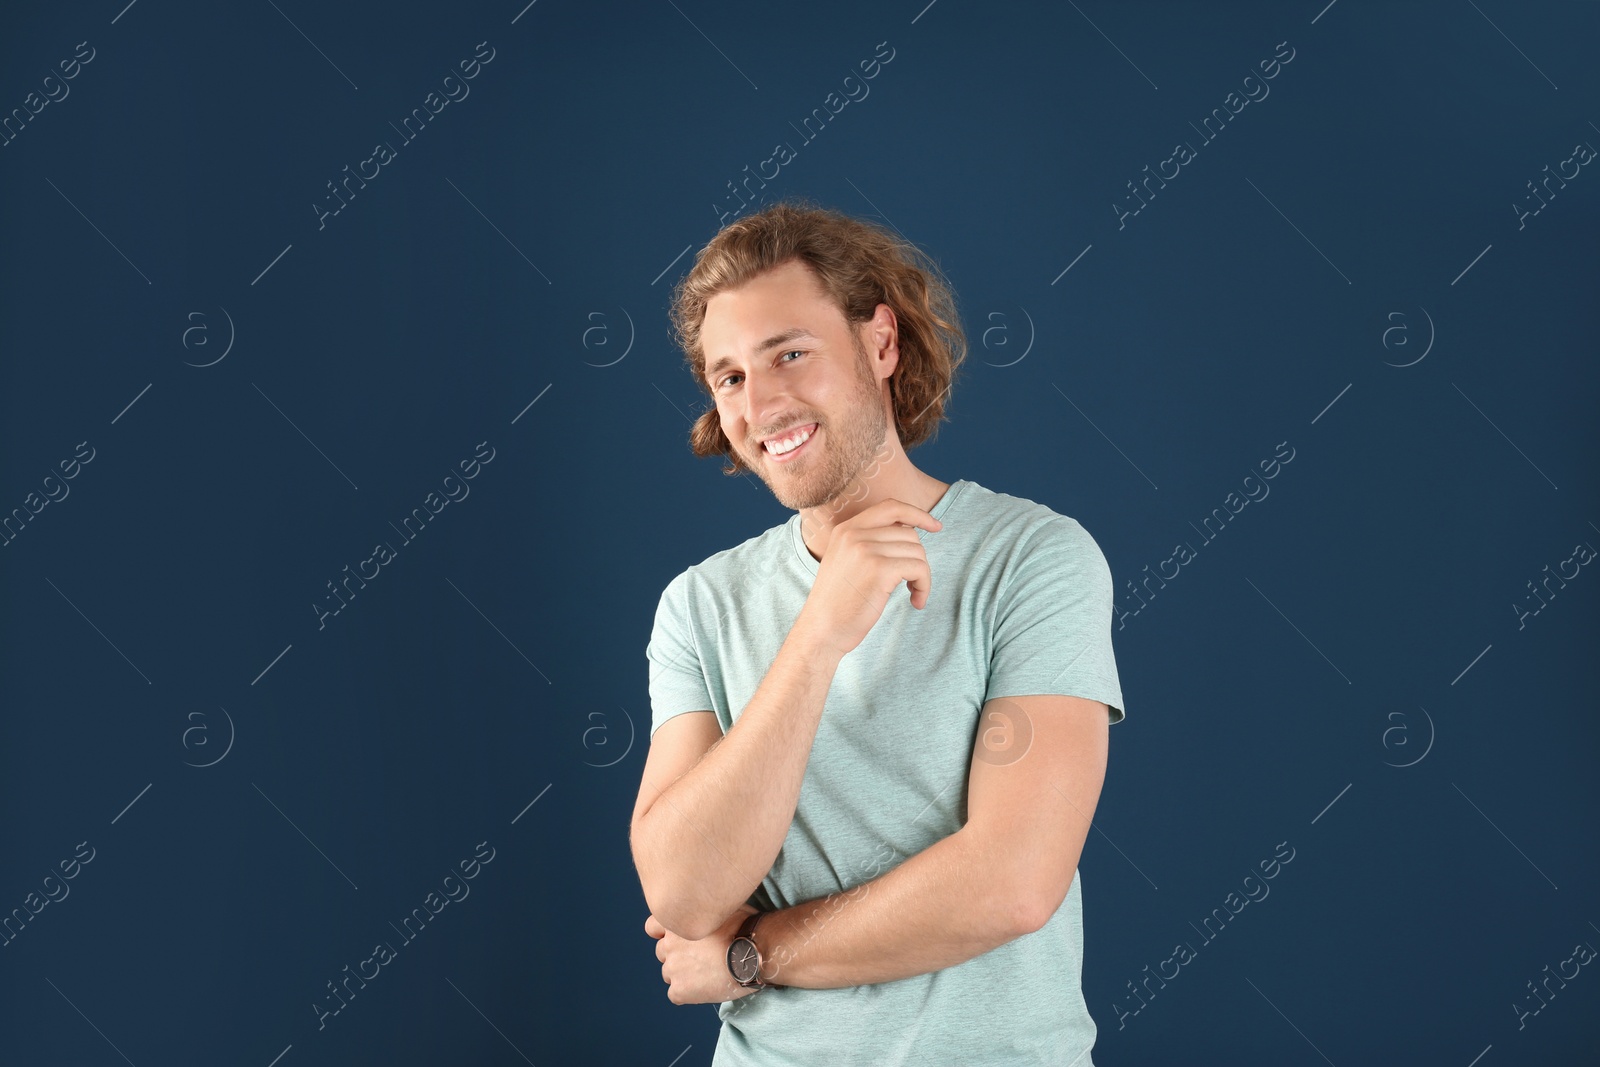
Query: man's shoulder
1017, 518
754, 555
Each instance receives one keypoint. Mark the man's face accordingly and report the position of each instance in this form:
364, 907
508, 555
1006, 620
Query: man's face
791, 362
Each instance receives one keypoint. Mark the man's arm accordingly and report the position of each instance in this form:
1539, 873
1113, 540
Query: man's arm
703, 842
1000, 876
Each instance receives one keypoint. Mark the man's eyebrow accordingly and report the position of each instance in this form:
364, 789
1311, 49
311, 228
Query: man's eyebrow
781, 338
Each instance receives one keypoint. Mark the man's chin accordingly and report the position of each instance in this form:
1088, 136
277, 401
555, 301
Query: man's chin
795, 497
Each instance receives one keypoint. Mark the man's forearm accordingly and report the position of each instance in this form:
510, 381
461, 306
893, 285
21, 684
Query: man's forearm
711, 836
950, 902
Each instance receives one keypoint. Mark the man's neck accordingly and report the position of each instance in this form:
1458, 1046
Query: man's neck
817, 524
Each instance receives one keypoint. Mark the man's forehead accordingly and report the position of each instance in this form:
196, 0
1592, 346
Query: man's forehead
791, 292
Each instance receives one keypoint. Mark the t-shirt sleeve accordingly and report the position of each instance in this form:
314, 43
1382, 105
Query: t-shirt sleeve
677, 678
1052, 628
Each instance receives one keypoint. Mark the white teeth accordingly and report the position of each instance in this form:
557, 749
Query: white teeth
789, 444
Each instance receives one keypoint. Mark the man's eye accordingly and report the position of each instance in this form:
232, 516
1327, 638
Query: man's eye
791, 352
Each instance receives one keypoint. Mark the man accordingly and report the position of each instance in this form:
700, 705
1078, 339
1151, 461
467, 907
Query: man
886, 796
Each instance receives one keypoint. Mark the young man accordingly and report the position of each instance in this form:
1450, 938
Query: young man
861, 814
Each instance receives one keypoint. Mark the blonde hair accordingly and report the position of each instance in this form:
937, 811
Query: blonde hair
859, 265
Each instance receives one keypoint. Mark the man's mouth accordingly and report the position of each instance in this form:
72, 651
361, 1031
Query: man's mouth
803, 436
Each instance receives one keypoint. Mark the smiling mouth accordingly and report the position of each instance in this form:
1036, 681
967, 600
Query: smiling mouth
789, 456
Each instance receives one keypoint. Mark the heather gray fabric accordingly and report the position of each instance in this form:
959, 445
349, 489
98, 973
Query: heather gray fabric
1020, 604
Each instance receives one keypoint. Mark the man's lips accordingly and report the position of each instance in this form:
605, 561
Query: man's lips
792, 453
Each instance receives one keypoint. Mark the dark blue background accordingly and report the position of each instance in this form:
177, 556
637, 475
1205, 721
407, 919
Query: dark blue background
1359, 618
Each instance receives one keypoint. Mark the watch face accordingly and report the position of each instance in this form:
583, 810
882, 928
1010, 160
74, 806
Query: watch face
743, 959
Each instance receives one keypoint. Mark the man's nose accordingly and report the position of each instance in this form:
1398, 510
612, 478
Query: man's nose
760, 394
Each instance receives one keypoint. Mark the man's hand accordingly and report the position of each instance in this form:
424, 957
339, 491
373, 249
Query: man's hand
867, 558
696, 972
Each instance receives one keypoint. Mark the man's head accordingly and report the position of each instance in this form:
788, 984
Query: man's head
800, 316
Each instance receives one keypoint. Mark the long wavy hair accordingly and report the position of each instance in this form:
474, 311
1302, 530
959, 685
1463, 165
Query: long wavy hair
860, 265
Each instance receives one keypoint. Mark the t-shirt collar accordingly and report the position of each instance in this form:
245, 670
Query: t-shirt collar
811, 564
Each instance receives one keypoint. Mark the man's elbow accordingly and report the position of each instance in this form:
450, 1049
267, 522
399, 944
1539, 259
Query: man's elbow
680, 913
1029, 915
1027, 898
689, 925
695, 933
677, 898
1035, 903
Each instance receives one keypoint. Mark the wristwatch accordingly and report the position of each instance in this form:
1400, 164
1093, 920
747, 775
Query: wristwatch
744, 958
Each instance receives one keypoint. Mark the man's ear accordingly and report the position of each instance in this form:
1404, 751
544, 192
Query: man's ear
883, 335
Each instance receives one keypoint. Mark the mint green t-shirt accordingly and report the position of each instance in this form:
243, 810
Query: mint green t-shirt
1020, 604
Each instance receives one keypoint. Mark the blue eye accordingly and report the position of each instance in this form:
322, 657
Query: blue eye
791, 352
